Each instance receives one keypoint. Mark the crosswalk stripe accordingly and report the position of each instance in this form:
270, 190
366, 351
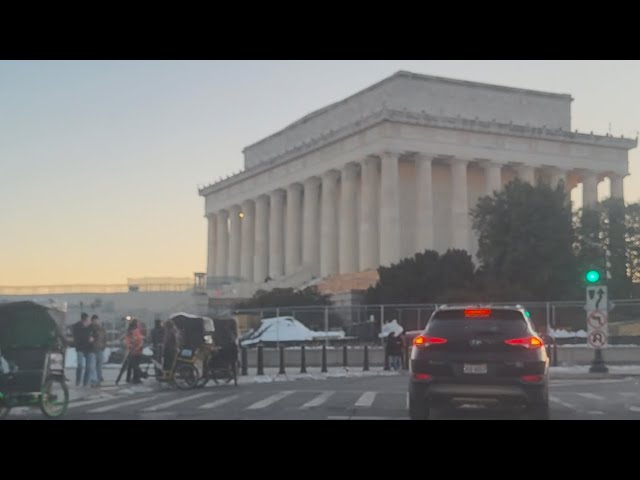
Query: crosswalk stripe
366, 399
270, 400
220, 401
634, 409
630, 394
561, 402
114, 406
591, 396
318, 400
178, 401
339, 417
84, 403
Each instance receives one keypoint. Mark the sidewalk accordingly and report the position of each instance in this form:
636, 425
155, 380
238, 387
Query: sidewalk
582, 371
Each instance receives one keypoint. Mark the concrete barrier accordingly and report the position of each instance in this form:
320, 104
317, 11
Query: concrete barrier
567, 356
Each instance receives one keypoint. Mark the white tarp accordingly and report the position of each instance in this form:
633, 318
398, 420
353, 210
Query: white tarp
389, 327
285, 329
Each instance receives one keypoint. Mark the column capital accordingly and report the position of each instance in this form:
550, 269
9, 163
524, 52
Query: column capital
552, 169
350, 171
423, 156
390, 154
331, 175
261, 198
222, 213
277, 193
489, 163
311, 182
458, 161
369, 160
235, 209
586, 173
246, 204
296, 186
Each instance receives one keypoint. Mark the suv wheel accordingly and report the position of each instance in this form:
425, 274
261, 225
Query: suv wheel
418, 410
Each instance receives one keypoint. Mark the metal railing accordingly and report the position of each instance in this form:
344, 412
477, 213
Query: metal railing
565, 320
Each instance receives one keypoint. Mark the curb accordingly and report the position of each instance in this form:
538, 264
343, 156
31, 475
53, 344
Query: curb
591, 376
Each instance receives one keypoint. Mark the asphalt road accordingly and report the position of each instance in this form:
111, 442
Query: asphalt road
369, 398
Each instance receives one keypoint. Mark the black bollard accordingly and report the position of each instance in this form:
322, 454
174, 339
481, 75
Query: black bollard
260, 363
324, 359
386, 361
345, 362
365, 367
303, 360
281, 372
245, 361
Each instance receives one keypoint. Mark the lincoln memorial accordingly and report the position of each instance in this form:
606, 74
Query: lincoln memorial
392, 170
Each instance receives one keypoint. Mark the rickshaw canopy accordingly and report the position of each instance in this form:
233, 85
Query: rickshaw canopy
193, 328
30, 325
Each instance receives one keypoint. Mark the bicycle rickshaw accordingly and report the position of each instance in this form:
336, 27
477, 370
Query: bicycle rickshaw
221, 362
196, 335
32, 358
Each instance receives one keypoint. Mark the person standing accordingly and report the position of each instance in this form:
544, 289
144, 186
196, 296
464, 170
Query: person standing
134, 342
99, 344
157, 336
394, 350
82, 341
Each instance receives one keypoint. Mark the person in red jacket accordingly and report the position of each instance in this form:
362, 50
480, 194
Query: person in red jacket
134, 342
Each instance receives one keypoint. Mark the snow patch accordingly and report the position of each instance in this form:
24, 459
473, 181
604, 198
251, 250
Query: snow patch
285, 329
392, 326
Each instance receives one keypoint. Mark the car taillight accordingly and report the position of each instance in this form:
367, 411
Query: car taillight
422, 376
425, 341
526, 342
477, 312
532, 378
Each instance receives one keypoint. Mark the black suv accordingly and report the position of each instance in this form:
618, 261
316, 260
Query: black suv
479, 354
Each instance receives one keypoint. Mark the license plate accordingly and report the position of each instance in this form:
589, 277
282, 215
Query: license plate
475, 368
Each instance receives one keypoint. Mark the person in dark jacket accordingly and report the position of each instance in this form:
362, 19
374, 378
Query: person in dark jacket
83, 343
394, 350
157, 339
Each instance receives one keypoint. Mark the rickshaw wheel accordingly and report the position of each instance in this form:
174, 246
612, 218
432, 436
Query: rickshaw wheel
57, 406
186, 376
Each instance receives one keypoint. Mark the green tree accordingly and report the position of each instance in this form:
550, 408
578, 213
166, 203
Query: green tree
606, 232
525, 243
632, 241
286, 297
427, 277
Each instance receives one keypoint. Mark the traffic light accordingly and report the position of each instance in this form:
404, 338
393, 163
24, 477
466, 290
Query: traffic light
592, 276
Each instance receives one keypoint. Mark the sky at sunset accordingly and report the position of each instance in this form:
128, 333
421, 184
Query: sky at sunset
101, 160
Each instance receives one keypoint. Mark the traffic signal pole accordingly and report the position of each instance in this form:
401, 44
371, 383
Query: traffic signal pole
597, 308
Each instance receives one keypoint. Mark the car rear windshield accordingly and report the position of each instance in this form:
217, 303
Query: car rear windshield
499, 321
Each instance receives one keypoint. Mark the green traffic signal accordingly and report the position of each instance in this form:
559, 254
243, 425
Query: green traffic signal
592, 276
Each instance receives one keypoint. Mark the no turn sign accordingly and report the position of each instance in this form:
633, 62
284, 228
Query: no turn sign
597, 339
597, 319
